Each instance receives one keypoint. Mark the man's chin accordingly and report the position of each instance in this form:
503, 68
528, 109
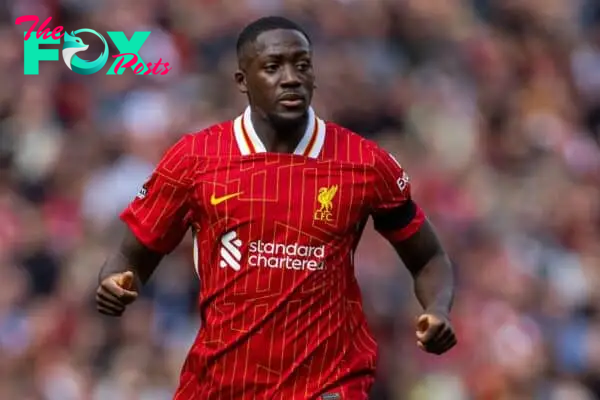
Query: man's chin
289, 117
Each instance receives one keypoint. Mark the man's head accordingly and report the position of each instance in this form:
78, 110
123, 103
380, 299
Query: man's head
275, 69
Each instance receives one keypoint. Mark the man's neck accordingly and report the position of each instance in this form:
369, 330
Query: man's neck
278, 139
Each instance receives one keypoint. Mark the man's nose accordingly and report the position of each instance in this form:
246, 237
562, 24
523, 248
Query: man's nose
290, 76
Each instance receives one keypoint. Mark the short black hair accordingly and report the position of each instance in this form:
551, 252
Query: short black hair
265, 24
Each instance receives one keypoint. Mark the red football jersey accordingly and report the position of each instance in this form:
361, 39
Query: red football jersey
274, 239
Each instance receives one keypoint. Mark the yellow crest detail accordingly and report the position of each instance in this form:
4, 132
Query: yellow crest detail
325, 198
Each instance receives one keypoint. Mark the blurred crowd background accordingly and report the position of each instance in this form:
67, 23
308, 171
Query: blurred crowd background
492, 106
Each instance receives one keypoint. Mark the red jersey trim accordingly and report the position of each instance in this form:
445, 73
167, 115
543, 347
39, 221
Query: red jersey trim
312, 141
247, 139
409, 230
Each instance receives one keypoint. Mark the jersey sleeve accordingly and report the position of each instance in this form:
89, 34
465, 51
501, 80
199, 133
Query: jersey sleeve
159, 215
396, 216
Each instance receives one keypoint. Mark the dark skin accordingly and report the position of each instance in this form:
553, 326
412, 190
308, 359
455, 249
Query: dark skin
123, 274
276, 73
433, 279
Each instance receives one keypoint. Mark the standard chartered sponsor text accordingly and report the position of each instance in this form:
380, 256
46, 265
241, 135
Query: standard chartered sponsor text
287, 256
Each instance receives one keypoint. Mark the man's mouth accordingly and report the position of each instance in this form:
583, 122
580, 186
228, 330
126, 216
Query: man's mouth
291, 100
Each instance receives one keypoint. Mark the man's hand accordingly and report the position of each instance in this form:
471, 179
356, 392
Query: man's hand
115, 293
435, 333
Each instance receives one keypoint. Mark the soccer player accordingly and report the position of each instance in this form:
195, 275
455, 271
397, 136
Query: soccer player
277, 200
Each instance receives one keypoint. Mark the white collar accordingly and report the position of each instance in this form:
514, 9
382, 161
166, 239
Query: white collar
309, 146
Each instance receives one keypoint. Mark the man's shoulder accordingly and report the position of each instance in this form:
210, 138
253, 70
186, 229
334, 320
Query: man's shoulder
345, 145
214, 140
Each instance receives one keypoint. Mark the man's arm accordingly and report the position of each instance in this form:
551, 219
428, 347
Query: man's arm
156, 220
123, 273
403, 223
430, 267
132, 256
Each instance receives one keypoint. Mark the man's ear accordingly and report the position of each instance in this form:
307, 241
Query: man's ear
240, 80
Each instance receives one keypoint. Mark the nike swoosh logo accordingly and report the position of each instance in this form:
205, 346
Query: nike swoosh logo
218, 200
